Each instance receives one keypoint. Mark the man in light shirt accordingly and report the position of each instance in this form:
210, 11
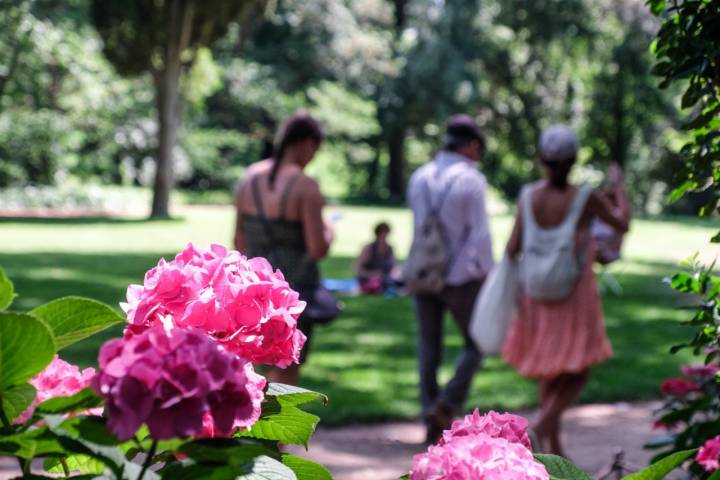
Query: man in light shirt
452, 185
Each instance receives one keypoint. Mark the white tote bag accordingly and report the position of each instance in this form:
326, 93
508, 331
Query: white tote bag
495, 307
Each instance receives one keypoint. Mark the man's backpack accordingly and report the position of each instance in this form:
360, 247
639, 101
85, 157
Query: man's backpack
429, 259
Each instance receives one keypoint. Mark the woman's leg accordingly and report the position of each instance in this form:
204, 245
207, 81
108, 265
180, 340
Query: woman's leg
556, 396
288, 376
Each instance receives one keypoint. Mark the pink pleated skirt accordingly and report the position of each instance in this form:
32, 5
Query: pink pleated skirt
548, 339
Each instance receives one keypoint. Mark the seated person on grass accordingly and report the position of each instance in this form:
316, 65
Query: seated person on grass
375, 267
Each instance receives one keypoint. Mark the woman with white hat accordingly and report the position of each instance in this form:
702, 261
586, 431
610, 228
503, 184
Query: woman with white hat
559, 331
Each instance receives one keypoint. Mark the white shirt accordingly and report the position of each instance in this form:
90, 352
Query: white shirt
463, 214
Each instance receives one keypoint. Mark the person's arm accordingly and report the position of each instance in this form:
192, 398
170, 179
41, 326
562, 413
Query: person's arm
362, 259
317, 233
239, 238
617, 213
479, 223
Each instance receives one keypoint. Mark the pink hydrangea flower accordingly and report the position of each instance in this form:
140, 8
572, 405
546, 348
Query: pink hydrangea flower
498, 425
241, 302
59, 379
700, 371
661, 425
477, 456
709, 455
678, 387
173, 379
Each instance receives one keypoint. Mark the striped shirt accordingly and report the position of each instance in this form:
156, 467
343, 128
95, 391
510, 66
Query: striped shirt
463, 214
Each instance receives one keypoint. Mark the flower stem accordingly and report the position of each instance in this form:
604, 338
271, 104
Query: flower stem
66, 469
148, 459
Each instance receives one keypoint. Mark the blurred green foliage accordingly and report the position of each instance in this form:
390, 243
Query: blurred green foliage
382, 75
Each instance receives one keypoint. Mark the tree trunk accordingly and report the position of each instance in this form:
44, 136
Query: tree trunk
396, 168
167, 96
373, 170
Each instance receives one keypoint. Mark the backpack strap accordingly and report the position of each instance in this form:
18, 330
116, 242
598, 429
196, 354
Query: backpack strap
435, 210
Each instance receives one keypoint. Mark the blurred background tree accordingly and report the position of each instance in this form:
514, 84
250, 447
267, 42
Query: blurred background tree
92, 90
162, 38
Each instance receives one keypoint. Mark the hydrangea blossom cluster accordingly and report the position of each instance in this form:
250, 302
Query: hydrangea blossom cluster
678, 387
703, 372
241, 302
477, 456
709, 455
493, 446
498, 425
173, 380
59, 379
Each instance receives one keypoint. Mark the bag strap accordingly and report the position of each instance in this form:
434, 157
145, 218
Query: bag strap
286, 195
259, 207
257, 198
578, 206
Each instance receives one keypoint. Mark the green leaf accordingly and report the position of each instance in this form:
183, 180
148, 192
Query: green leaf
83, 400
305, 469
660, 469
26, 348
16, 399
657, 6
285, 424
715, 476
680, 191
560, 468
290, 395
224, 451
259, 468
7, 291
83, 464
72, 319
266, 468
31, 444
89, 436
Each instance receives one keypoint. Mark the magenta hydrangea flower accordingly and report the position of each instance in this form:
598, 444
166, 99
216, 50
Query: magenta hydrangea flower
678, 387
709, 455
173, 379
477, 456
59, 379
241, 302
700, 371
512, 428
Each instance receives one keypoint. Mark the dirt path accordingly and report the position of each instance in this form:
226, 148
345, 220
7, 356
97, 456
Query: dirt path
593, 433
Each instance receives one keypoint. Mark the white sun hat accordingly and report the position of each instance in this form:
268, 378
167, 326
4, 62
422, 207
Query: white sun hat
558, 143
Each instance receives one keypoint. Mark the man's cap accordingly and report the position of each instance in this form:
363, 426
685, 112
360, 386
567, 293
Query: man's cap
558, 143
464, 126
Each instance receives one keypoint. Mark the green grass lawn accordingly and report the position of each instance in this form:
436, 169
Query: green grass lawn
365, 361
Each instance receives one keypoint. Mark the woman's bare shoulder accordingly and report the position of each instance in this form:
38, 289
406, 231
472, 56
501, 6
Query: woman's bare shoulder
307, 185
259, 168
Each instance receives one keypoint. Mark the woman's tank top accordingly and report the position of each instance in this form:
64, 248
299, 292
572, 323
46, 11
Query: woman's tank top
280, 241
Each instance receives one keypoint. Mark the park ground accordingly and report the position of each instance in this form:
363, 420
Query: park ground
365, 361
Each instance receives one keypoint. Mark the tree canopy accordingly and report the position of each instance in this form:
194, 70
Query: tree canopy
81, 86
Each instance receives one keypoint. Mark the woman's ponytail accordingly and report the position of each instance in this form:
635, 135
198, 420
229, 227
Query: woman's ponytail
298, 127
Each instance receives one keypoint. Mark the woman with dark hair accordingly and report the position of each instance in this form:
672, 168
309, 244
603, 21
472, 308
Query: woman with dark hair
376, 264
279, 217
559, 332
